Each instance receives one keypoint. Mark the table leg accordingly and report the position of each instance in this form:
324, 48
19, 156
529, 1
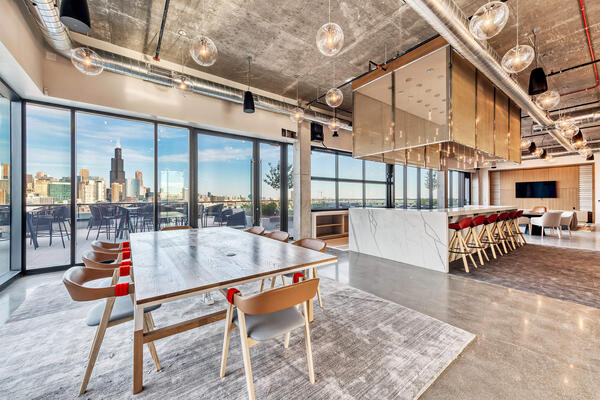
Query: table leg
310, 304
138, 349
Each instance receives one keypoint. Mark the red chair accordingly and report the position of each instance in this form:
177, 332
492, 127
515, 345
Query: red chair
472, 238
487, 237
457, 243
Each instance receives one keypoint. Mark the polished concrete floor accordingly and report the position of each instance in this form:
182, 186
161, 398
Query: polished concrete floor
580, 239
528, 346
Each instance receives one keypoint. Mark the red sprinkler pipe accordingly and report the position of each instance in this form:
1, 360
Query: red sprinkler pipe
589, 40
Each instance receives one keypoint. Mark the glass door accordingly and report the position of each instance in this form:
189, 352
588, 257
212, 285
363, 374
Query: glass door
224, 181
271, 179
173, 179
4, 185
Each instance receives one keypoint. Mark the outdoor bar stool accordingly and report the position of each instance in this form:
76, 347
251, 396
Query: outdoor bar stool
472, 239
519, 235
116, 309
458, 244
499, 233
486, 236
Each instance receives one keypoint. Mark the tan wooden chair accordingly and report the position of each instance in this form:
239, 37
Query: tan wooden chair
175, 228
257, 230
278, 235
265, 316
109, 247
117, 309
312, 244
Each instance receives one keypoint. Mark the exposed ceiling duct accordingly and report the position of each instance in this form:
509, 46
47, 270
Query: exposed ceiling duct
578, 120
450, 22
46, 15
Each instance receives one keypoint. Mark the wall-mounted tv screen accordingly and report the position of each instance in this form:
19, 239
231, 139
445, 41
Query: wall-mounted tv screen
546, 189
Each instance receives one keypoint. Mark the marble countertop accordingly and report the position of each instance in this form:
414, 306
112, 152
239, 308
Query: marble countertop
452, 211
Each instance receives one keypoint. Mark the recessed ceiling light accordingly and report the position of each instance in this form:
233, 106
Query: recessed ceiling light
428, 91
408, 80
419, 101
419, 84
427, 105
430, 70
400, 91
440, 76
181, 32
410, 96
436, 95
434, 108
441, 112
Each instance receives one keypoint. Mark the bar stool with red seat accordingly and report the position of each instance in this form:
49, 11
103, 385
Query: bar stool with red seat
515, 223
486, 236
508, 230
458, 244
498, 231
472, 238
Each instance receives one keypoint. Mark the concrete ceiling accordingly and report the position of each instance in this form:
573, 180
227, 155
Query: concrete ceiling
280, 36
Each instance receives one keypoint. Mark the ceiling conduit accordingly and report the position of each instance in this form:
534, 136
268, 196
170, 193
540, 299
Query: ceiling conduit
46, 15
450, 22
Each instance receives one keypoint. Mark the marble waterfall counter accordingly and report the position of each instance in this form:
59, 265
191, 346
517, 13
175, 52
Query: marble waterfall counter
417, 237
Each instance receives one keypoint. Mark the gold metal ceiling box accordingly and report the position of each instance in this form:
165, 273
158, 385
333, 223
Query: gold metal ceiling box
431, 108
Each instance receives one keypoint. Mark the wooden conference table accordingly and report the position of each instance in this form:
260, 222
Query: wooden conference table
173, 265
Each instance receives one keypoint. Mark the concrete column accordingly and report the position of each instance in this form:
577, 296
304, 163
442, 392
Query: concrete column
302, 214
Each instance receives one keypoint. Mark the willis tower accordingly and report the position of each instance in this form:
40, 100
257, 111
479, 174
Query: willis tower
117, 173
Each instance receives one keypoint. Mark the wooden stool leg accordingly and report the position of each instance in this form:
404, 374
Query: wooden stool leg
473, 236
462, 249
502, 237
110, 302
451, 246
226, 338
492, 239
262, 285
462, 239
480, 246
246, 354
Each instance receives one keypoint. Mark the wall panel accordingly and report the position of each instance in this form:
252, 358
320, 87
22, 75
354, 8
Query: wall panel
514, 144
463, 101
485, 114
501, 125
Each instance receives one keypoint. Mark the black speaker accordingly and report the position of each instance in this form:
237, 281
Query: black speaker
316, 132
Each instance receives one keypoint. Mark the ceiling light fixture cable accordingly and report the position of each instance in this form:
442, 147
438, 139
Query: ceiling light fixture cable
162, 30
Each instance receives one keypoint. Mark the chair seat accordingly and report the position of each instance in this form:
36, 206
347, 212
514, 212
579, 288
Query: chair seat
455, 226
269, 326
123, 308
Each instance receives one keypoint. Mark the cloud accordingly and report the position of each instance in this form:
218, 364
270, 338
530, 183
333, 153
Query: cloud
227, 153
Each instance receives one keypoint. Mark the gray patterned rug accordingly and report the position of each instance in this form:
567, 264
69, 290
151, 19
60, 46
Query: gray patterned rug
363, 347
558, 272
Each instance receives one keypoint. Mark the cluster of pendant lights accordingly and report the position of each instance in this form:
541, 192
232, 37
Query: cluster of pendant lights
487, 22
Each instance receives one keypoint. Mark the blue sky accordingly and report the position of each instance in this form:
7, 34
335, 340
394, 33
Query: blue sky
224, 164
4, 130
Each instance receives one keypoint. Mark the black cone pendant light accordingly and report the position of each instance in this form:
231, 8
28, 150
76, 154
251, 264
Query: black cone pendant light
537, 78
537, 81
248, 97
75, 15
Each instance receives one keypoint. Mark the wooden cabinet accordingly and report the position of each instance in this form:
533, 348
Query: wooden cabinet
329, 224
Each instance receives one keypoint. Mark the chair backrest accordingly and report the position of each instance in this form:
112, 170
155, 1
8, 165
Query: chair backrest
176, 228
519, 213
312, 244
75, 278
478, 220
278, 235
106, 247
98, 257
539, 209
237, 219
551, 218
566, 217
492, 218
257, 230
277, 299
465, 222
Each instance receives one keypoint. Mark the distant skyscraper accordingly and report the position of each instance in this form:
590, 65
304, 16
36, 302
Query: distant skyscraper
5, 171
116, 189
139, 177
132, 187
117, 173
85, 174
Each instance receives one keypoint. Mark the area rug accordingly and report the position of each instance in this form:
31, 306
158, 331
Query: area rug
566, 274
364, 347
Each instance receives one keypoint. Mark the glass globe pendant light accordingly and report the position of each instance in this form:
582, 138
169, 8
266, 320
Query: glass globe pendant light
334, 124
330, 37
334, 97
519, 57
87, 61
297, 114
203, 49
548, 100
489, 20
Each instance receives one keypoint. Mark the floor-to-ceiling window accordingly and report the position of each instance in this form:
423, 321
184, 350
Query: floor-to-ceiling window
271, 179
173, 175
340, 181
426, 185
399, 192
459, 188
48, 186
418, 187
290, 194
412, 187
5, 202
114, 179
453, 189
225, 181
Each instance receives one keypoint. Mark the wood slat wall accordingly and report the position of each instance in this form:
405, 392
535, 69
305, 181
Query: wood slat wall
502, 187
463, 101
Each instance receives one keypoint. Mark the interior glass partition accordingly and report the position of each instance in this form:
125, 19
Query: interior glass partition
48, 187
173, 176
114, 179
5, 199
225, 181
